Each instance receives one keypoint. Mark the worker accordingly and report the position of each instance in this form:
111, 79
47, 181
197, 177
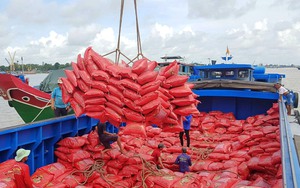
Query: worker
107, 137
289, 96
186, 130
156, 154
184, 161
21, 169
57, 104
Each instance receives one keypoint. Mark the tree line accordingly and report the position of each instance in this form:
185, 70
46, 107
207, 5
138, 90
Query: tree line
45, 67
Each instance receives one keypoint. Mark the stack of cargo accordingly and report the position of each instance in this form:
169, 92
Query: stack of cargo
231, 153
118, 93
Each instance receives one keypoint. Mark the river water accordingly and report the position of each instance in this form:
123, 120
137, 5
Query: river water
9, 117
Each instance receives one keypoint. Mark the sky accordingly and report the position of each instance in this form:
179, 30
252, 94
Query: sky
50, 31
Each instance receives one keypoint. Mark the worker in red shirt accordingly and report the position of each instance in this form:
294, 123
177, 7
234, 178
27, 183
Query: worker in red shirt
156, 156
21, 169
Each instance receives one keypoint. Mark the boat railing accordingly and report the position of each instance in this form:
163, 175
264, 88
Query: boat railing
290, 162
41, 138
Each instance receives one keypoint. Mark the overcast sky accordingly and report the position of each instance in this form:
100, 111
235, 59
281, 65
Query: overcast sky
256, 31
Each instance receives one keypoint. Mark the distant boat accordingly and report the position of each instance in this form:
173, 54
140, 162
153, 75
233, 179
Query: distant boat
33, 71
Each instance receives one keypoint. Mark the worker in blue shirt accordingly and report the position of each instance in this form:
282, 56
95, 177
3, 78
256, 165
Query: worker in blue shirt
57, 104
186, 127
184, 161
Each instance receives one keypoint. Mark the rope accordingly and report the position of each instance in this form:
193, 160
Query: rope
139, 44
138, 36
119, 35
41, 111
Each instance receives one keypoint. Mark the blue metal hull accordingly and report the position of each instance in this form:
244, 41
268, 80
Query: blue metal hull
240, 102
41, 138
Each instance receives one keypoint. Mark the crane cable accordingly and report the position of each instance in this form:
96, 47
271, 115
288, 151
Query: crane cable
139, 44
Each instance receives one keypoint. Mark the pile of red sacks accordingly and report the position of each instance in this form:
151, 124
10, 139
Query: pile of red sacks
225, 153
119, 93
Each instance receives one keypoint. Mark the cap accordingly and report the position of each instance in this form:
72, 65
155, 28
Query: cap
59, 81
21, 153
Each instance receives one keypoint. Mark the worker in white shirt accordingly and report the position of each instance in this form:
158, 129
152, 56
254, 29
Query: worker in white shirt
289, 96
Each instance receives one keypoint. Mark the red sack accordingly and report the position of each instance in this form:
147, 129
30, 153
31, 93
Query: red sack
130, 104
115, 108
140, 66
171, 69
181, 91
78, 96
116, 82
135, 128
93, 93
95, 101
93, 138
66, 97
223, 147
130, 84
152, 65
100, 75
176, 80
172, 128
80, 62
78, 156
69, 87
99, 85
146, 77
76, 107
75, 69
186, 110
184, 101
71, 77
130, 94
72, 142
84, 164
110, 113
147, 108
114, 70
41, 178
150, 87
94, 108
114, 100
100, 61
132, 115
146, 98
85, 77
82, 85
91, 67
115, 92
98, 115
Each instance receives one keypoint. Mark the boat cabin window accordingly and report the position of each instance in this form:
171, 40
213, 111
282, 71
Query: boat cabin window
243, 74
216, 74
229, 74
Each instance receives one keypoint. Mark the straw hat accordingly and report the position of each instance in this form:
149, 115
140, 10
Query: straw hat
21, 153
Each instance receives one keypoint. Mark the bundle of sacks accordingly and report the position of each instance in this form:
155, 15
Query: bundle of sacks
231, 154
118, 93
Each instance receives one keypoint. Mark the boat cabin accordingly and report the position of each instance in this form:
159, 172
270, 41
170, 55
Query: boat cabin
224, 71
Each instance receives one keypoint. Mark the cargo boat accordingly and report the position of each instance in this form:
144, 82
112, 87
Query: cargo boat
31, 103
225, 87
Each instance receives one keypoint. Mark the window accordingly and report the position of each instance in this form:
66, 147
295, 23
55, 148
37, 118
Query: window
243, 74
